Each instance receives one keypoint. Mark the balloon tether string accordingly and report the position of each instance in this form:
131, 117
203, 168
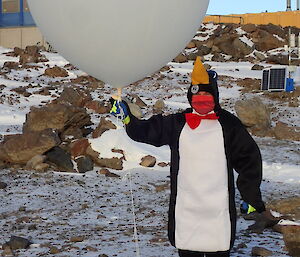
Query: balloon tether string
135, 231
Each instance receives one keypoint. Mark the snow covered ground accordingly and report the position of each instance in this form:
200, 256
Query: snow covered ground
53, 208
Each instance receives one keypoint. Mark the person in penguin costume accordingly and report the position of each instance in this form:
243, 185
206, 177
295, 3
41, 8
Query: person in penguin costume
207, 143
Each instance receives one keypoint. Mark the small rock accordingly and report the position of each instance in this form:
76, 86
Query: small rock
163, 164
56, 72
3, 185
17, 242
180, 58
260, 251
257, 67
76, 239
159, 106
111, 163
11, 65
107, 173
54, 250
135, 110
103, 126
7, 251
148, 161
84, 164
137, 100
291, 237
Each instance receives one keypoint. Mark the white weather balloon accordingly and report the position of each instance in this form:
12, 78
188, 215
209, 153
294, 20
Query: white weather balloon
118, 41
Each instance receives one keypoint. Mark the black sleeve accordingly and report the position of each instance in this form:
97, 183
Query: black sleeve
155, 131
247, 162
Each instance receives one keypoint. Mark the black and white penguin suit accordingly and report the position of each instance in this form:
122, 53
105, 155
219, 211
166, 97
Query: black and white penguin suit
202, 211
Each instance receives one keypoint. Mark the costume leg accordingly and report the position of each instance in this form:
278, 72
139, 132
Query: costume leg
218, 254
185, 253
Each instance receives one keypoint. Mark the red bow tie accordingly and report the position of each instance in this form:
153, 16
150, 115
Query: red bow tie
194, 120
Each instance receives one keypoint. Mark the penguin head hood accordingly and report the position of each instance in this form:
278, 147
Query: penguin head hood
203, 80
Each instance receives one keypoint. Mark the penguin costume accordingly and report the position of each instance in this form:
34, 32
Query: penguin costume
204, 153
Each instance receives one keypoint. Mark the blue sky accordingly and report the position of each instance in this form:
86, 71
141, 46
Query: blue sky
247, 6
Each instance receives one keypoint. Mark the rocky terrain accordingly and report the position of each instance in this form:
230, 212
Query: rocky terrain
64, 196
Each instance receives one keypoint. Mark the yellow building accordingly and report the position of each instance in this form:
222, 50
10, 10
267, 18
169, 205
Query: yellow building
284, 19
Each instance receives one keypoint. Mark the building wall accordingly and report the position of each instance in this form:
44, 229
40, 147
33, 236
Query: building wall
20, 37
284, 19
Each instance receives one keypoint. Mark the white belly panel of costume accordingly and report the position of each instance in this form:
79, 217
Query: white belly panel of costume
202, 221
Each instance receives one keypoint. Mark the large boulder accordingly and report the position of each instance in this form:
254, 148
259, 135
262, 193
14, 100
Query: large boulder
254, 114
264, 41
241, 48
60, 117
76, 97
283, 132
291, 237
287, 206
278, 59
225, 43
21, 148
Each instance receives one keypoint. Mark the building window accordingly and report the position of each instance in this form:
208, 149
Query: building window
25, 6
10, 6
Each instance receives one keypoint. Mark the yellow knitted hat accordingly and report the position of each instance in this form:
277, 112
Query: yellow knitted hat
199, 74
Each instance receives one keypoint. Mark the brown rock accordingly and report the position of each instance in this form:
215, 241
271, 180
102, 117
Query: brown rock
28, 58
32, 50
21, 148
203, 50
56, 72
137, 100
254, 114
18, 51
163, 164
148, 161
111, 163
75, 97
191, 45
11, 65
287, 206
265, 41
241, 48
291, 237
98, 107
7, 251
257, 67
259, 56
159, 106
103, 126
78, 147
57, 116
76, 239
180, 58
35, 161
54, 250
249, 28
225, 44
109, 174
135, 110
283, 132
278, 59
260, 251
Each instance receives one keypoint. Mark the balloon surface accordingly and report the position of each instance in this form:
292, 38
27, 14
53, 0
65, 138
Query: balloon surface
118, 41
